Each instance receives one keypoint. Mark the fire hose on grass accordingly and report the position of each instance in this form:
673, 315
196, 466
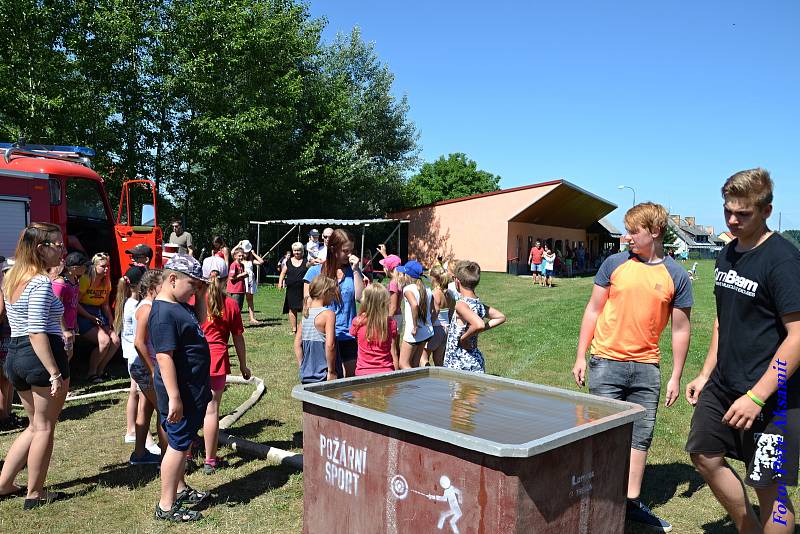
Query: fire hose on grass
239, 445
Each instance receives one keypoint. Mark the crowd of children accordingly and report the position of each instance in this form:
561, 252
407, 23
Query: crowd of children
408, 323
173, 326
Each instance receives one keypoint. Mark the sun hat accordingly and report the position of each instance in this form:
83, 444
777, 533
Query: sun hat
391, 261
246, 245
412, 268
215, 263
188, 265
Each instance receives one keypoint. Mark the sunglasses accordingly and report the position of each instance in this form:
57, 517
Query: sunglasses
54, 244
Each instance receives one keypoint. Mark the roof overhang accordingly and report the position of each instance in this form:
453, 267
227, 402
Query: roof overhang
567, 206
328, 222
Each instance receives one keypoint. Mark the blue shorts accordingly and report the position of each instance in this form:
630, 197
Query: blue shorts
536, 268
85, 325
549, 273
181, 434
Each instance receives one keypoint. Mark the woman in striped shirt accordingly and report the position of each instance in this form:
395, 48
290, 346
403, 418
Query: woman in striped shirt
37, 363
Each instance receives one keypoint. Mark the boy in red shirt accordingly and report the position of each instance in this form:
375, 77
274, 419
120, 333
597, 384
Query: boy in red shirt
236, 277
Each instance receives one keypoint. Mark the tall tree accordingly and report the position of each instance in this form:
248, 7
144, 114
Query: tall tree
452, 177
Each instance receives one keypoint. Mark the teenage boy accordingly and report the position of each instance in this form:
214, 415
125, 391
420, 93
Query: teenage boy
746, 395
535, 259
635, 295
181, 238
181, 379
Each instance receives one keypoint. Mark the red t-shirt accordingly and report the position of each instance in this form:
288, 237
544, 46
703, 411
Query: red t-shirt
536, 255
235, 286
373, 357
217, 334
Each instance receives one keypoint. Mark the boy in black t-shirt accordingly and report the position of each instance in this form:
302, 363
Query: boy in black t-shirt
181, 379
746, 396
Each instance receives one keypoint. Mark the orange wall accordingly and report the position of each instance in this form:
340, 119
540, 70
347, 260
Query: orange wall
538, 231
476, 229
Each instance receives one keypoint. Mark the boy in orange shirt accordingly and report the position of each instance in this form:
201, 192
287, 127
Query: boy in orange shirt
635, 295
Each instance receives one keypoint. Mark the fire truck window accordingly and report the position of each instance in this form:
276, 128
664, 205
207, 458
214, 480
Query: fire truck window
84, 200
55, 192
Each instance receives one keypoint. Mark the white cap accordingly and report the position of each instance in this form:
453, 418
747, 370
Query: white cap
246, 245
7, 264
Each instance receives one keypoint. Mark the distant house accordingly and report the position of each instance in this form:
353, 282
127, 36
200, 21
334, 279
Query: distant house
696, 240
725, 237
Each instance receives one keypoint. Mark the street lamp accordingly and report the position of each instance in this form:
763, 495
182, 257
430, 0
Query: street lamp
632, 189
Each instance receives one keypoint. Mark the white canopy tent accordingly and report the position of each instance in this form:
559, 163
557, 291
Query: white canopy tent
299, 223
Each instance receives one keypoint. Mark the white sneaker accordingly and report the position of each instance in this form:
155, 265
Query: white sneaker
154, 448
130, 438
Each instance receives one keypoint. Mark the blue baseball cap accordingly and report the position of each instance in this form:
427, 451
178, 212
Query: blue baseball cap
188, 265
412, 268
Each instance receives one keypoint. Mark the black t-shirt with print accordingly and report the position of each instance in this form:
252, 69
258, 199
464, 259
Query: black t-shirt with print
754, 289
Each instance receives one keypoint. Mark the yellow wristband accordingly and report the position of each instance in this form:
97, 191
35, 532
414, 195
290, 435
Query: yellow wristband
755, 399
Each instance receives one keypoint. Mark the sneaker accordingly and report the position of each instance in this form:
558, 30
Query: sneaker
153, 448
130, 438
146, 458
638, 512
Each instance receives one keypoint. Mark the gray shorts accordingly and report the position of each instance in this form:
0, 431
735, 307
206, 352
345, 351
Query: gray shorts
632, 382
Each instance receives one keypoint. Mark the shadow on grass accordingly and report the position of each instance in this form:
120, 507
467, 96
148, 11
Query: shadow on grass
253, 428
661, 482
115, 476
269, 321
243, 490
82, 410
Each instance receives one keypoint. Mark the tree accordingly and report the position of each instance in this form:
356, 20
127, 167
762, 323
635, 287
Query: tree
793, 236
452, 177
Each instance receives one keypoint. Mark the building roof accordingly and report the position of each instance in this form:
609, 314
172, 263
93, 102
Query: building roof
689, 234
612, 230
565, 205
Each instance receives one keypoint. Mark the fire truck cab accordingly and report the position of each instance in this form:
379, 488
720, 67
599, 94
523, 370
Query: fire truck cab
56, 184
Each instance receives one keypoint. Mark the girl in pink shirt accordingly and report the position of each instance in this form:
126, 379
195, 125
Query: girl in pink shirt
375, 332
65, 286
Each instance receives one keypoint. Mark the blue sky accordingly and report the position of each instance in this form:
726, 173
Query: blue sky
670, 98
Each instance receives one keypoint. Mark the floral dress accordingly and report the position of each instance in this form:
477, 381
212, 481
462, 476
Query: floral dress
456, 357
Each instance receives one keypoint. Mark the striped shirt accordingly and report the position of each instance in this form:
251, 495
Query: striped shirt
37, 310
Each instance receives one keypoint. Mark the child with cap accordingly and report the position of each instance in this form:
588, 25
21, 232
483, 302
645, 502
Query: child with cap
468, 321
65, 286
418, 312
141, 255
312, 247
181, 379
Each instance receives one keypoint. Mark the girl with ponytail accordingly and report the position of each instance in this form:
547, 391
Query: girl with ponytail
418, 311
223, 322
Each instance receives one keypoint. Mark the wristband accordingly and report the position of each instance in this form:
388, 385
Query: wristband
55, 377
755, 399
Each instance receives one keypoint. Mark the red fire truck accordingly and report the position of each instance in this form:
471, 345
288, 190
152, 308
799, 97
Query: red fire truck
56, 184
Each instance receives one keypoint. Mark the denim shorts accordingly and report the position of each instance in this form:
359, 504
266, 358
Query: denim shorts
635, 382
536, 268
141, 375
87, 325
23, 367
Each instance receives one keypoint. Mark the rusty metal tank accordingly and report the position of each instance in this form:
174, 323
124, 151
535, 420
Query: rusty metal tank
433, 449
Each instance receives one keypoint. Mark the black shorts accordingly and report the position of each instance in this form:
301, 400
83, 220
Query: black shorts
771, 448
24, 368
347, 349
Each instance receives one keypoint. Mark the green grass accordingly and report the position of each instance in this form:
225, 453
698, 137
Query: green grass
536, 344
